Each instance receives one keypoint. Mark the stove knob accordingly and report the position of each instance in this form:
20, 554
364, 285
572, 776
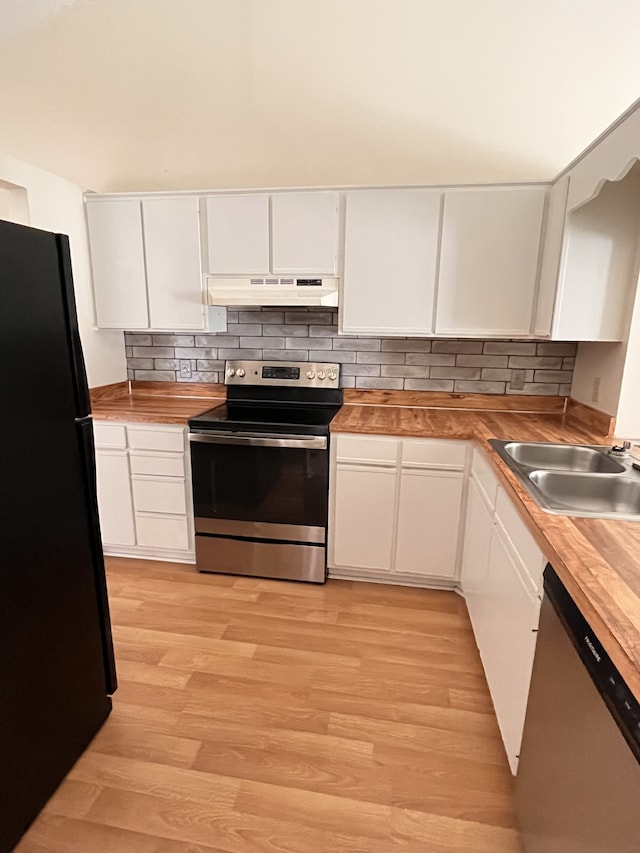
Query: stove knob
321, 374
231, 371
333, 375
240, 372
311, 374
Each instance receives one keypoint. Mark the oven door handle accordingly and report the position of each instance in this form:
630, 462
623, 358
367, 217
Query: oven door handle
301, 442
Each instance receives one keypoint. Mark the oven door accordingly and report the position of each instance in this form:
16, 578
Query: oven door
260, 485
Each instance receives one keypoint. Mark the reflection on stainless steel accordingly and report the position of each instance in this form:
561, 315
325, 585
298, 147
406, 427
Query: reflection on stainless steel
261, 530
562, 457
261, 559
575, 480
607, 493
259, 439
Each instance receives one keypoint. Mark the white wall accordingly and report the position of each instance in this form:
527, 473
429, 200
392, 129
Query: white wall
55, 204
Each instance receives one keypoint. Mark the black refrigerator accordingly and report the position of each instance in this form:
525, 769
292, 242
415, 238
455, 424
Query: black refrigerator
56, 656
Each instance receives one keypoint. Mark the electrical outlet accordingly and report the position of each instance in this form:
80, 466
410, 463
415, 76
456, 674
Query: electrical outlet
517, 380
595, 391
185, 369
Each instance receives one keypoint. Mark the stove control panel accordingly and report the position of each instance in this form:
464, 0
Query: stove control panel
296, 374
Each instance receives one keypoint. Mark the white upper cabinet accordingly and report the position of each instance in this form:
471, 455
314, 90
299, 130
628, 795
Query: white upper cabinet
391, 250
609, 159
172, 253
489, 261
238, 234
551, 255
145, 257
304, 232
117, 260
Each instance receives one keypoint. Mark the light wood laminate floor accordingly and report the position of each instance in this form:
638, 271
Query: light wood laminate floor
259, 715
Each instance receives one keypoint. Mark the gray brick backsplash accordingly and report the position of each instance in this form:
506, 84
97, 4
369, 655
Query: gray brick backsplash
484, 361
170, 363
428, 384
471, 347
382, 384
380, 358
337, 357
406, 345
311, 334
534, 362
552, 348
261, 317
470, 386
455, 373
152, 352
360, 344
140, 363
308, 343
134, 339
405, 370
243, 329
155, 375
288, 355
552, 376
509, 347
173, 340
433, 358
259, 343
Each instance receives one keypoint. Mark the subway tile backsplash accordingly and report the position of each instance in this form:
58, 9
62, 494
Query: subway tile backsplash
412, 364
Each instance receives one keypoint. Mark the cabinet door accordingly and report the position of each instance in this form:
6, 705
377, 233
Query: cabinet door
364, 508
238, 234
304, 233
115, 504
391, 248
117, 261
475, 561
509, 643
551, 252
428, 523
489, 261
172, 253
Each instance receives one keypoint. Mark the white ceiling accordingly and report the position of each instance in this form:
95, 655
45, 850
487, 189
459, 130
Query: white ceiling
171, 94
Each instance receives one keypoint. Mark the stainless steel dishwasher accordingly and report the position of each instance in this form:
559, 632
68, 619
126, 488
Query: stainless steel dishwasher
578, 784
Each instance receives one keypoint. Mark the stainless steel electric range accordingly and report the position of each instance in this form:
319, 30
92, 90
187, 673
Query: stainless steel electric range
260, 470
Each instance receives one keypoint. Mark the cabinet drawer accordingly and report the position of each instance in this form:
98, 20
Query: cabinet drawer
110, 435
155, 494
156, 438
487, 480
366, 448
525, 546
162, 465
434, 454
163, 531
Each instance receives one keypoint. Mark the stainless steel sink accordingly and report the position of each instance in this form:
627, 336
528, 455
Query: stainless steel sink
562, 457
609, 494
579, 480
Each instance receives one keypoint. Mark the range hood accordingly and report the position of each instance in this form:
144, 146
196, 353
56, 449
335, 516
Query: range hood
272, 291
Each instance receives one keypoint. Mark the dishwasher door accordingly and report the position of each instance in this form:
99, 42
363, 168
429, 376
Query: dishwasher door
578, 783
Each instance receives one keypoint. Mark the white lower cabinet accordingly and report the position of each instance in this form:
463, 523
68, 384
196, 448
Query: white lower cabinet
501, 579
396, 507
114, 497
144, 493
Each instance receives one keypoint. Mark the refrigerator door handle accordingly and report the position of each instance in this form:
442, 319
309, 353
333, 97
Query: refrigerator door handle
80, 385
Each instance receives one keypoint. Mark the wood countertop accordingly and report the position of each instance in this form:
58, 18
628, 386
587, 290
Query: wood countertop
598, 560
154, 402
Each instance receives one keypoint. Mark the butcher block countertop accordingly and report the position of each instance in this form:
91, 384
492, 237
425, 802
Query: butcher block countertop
598, 560
154, 402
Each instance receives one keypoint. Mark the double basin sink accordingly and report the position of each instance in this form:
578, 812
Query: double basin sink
579, 480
